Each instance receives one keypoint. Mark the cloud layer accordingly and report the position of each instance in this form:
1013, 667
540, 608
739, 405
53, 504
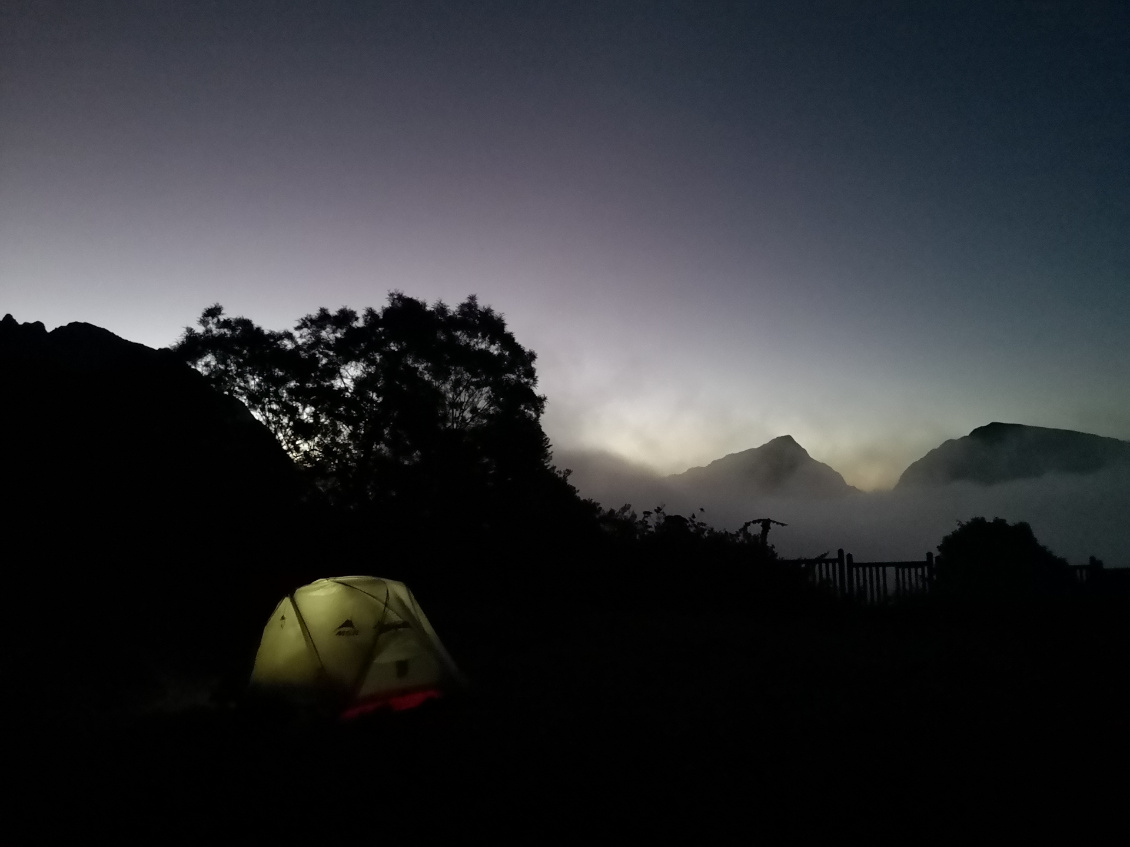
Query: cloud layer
1076, 516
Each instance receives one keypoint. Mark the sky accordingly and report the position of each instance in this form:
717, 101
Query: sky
871, 225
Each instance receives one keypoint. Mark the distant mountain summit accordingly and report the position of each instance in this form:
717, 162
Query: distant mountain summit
780, 467
1003, 452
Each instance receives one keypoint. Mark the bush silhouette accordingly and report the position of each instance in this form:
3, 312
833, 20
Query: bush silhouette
995, 560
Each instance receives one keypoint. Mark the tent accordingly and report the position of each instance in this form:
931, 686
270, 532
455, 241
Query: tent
354, 643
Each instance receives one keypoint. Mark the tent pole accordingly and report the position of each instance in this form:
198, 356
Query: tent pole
306, 632
364, 669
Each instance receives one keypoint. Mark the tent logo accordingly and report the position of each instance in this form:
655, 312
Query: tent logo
347, 628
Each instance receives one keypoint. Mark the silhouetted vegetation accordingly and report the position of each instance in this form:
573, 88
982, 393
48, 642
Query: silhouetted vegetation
995, 561
423, 419
641, 557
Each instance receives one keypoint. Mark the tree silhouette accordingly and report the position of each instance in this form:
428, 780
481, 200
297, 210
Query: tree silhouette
997, 560
410, 410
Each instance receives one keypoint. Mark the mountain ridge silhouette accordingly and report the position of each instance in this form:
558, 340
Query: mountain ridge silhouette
1007, 452
779, 466
127, 447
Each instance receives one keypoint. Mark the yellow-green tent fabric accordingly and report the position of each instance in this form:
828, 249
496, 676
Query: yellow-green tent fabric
358, 641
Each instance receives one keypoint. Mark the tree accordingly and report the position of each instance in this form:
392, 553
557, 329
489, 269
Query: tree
417, 411
997, 560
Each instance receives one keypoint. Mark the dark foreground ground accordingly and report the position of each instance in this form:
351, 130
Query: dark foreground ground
605, 724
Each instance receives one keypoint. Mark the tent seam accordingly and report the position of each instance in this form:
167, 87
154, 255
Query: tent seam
306, 631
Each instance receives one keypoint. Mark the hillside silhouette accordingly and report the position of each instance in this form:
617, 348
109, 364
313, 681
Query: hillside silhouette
144, 502
122, 444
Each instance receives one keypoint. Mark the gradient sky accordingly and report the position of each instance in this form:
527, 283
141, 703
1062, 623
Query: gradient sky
873, 226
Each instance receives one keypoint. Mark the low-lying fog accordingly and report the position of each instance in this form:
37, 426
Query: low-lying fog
1075, 516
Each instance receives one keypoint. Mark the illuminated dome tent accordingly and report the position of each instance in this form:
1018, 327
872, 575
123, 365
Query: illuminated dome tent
358, 642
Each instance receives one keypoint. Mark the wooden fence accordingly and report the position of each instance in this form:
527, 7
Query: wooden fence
1100, 579
870, 582
875, 583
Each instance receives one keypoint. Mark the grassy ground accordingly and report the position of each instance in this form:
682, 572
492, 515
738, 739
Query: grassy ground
674, 721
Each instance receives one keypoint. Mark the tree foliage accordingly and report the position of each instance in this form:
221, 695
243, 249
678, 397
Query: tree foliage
996, 560
659, 535
410, 408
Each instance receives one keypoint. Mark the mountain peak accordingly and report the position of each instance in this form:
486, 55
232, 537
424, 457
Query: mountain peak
779, 466
996, 432
783, 442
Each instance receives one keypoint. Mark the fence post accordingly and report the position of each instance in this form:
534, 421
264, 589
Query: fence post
929, 571
849, 568
841, 572
1094, 573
